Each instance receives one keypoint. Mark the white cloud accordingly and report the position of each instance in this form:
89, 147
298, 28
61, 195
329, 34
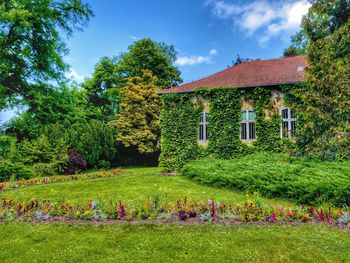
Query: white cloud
213, 52
195, 60
262, 18
74, 75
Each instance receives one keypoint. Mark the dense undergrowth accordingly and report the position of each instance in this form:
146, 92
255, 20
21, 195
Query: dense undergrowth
274, 175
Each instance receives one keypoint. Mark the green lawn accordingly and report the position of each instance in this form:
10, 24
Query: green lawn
139, 242
135, 186
171, 243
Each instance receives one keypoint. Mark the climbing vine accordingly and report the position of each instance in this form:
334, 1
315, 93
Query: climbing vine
179, 124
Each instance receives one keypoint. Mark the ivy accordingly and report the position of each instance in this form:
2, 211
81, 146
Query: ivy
179, 124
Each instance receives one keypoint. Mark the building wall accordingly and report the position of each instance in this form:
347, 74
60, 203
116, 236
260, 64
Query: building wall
180, 119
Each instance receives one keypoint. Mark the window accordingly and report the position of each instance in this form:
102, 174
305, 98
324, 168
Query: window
289, 120
203, 133
248, 125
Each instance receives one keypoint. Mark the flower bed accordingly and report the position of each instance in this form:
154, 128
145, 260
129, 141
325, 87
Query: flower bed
251, 211
7, 186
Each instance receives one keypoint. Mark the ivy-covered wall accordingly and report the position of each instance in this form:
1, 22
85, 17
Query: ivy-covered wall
180, 117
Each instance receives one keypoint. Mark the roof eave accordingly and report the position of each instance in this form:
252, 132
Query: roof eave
213, 88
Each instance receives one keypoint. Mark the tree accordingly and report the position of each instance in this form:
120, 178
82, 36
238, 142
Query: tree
103, 89
323, 19
240, 60
325, 106
148, 55
138, 121
31, 41
48, 105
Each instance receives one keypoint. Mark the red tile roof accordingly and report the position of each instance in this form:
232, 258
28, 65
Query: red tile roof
251, 74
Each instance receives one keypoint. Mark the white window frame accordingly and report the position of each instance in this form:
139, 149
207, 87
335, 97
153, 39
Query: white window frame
289, 120
247, 122
205, 122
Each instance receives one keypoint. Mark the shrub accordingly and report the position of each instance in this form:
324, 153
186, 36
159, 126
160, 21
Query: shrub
76, 163
9, 170
95, 141
275, 175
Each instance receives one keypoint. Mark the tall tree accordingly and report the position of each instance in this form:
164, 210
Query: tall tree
47, 105
325, 105
146, 54
103, 89
138, 121
31, 41
323, 19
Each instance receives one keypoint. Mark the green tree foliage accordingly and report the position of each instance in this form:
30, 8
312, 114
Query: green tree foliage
327, 97
95, 141
47, 105
325, 100
299, 45
138, 121
31, 40
103, 89
323, 19
146, 54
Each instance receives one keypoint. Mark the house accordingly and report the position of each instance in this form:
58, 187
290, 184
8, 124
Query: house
243, 108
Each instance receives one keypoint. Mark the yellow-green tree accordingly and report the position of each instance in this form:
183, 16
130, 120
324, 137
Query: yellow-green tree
138, 120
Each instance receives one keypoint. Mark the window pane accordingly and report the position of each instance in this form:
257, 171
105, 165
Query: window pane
285, 114
293, 115
201, 117
252, 134
244, 116
207, 117
206, 133
252, 115
285, 129
244, 131
293, 128
201, 132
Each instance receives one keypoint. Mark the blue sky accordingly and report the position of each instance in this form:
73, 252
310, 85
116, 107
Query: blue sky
208, 34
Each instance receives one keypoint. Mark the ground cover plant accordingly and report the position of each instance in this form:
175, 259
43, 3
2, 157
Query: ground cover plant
274, 175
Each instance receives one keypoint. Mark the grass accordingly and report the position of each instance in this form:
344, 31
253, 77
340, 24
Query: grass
136, 186
171, 243
66, 242
276, 175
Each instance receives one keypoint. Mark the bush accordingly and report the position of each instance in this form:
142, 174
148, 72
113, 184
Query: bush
17, 171
274, 175
95, 141
76, 163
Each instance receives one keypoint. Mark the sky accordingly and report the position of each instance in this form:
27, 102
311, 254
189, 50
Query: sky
207, 34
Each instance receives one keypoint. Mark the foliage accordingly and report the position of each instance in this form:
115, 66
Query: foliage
240, 60
252, 210
138, 120
47, 105
31, 41
95, 141
9, 170
103, 89
274, 175
323, 19
179, 124
75, 163
7, 143
15, 185
326, 100
148, 55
